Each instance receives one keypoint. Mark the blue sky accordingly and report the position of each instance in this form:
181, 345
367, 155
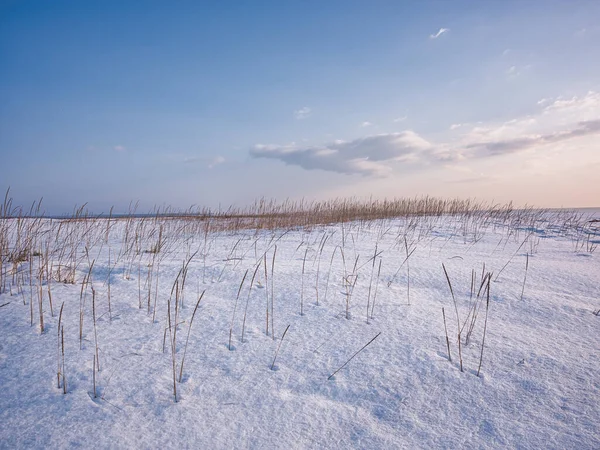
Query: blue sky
210, 103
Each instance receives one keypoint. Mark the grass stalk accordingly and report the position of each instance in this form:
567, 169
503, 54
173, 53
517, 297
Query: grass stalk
487, 307
352, 357
525, 277
279, 347
188, 336
457, 317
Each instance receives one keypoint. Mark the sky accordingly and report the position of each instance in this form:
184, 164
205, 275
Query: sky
219, 103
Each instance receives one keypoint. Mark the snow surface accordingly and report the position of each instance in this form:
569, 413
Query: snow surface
538, 388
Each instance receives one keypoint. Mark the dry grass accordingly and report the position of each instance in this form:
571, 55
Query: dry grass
37, 251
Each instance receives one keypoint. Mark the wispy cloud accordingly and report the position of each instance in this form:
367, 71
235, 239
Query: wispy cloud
558, 120
588, 104
439, 33
365, 124
302, 113
119, 148
400, 119
502, 147
207, 161
515, 71
215, 162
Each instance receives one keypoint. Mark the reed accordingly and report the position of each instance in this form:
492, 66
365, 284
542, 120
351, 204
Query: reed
352, 357
188, 336
279, 347
525, 277
457, 318
235, 309
248, 299
487, 307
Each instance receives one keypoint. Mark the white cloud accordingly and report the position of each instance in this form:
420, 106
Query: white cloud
512, 72
558, 121
559, 127
368, 156
506, 146
439, 33
302, 113
119, 148
216, 161
515, 71
365, 124
207, 161
588, 106
400, 119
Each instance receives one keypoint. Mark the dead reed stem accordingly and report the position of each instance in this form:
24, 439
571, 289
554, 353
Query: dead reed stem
487, 307
302, 283
235, 309
266, 289
173, 351
376, 286
457, 317
447, 340
278, 347
188, 336
58, 368
248, 298
352, 357
273, 294
525, 277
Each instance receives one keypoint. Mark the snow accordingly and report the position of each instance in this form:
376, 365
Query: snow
538, 387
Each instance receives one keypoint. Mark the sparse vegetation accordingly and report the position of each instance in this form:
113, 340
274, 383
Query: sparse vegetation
83, 253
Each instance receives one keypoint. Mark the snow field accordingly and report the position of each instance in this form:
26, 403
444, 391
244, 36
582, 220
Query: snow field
539, 383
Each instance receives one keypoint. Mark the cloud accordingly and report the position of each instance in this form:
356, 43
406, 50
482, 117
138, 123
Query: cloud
400, 119
590, 103
119, 148
439, 33
216, 161
501, 147
514, 71
557, 121
302, 113
370, 156
209, 162
365, 124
